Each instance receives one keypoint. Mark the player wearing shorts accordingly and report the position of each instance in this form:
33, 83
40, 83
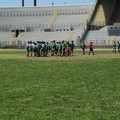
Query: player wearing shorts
118, 46
83, 47
63, 48
35, 50
67, 49
56, 48
60, 49
28, 49
91, 48
53, 48
114, 47
31, 48
72, 46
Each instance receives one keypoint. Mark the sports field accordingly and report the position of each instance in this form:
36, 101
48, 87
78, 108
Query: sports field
59, 88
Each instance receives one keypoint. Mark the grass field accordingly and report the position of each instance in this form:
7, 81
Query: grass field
59, 88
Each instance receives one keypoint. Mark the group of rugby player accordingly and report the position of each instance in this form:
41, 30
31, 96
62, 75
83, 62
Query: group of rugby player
37, 49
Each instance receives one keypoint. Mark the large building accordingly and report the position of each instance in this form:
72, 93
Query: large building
103, 27
97, 22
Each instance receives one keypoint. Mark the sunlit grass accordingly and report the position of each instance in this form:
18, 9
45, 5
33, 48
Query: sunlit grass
59, 88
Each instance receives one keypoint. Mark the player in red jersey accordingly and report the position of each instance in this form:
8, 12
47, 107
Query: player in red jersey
91, 48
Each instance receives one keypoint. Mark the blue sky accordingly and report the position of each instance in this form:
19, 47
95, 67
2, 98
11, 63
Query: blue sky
43, 2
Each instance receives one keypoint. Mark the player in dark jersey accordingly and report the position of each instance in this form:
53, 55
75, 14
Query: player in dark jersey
67, 49
114, 47
72, 46
63, 48
53, 48
28, 49
83, 47
118, 46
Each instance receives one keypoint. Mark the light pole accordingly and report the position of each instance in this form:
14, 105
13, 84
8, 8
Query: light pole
22, 3
35, 2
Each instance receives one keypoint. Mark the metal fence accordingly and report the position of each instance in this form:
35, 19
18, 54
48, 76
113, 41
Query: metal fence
22, 44
13, 44
99, 42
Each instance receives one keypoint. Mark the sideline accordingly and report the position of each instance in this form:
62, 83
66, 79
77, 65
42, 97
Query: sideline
77, 49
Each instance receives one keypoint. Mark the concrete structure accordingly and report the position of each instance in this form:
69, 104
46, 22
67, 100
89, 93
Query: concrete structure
104, 22
43, 23
99, 22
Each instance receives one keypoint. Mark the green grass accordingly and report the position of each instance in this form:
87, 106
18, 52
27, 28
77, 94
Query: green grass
59, 88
